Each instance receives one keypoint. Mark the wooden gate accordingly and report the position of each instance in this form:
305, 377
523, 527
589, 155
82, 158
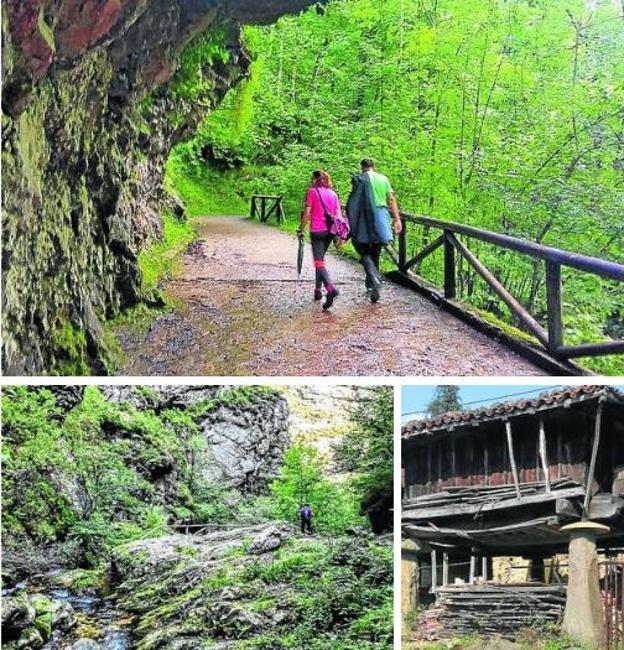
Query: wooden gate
612, 600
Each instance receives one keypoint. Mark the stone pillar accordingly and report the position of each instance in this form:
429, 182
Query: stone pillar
583, 620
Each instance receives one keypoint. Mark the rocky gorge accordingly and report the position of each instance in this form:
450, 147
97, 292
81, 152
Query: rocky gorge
137, 517
95, 94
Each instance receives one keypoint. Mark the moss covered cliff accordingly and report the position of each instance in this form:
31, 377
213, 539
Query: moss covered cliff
95, 94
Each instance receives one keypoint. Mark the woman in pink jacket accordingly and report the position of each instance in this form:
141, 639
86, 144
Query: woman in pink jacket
321, 205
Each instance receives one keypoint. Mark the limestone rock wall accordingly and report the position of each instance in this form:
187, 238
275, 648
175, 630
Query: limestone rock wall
321, 415
88, 118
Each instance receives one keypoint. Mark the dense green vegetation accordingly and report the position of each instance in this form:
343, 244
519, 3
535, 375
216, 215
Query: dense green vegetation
505, 115
94, 475
92, 484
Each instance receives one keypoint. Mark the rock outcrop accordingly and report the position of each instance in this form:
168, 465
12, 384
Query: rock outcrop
93, 100
255, 587
247, 435
28, 621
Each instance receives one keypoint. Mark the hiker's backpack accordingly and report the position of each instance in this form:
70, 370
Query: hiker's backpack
306, 512
336, 225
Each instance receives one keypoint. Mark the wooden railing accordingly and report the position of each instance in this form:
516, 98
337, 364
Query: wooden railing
201, 529
265, 206
552, 338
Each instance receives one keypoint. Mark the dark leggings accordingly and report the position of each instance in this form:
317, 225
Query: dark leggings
306, 525
370, 254
320, 243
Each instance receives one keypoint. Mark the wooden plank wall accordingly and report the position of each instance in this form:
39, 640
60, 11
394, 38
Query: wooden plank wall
482, 457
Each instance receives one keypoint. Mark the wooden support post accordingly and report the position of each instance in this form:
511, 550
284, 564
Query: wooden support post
473, 567
445, 569
453, 462
484, 568
449, 267
512, 457
553, 301
434, 571
403, 245
592, 463
253, 207
486, 463
543, 452
263, 209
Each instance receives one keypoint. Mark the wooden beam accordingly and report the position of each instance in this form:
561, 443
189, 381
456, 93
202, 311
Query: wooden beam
591, 349
592, 462
434, 571
603, 268
401, 262
484, 568
423, 512
515, 307
445, 569
543, 450
473, 568
512, 457
419, 257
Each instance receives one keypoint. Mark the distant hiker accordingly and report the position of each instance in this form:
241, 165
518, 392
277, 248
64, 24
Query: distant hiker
306, 514
322, 206
369, 205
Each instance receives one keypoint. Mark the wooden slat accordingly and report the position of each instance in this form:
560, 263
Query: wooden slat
512, 457
543, 452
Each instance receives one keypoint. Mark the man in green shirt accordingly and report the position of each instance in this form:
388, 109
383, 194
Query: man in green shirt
371, 201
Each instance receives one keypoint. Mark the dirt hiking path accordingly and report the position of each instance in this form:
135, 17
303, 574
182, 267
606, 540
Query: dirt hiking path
241, 311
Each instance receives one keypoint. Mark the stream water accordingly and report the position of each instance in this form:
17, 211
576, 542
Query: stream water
97, 613
97, 617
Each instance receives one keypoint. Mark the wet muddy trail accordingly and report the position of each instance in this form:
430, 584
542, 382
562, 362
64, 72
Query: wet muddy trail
240, 310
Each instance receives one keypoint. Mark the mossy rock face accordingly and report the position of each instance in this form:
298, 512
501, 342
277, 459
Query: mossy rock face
338, 591
94, 98
29, 620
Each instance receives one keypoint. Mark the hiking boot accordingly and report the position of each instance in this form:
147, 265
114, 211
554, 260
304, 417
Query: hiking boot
375, 292
329, 298
318, 294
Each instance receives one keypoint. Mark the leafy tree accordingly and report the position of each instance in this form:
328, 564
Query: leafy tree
445, 399
367, 451
301, 480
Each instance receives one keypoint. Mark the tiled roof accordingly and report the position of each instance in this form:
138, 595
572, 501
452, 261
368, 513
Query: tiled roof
503, 410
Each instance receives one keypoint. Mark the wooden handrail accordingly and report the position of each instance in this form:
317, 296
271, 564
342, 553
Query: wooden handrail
595, 265
554, 258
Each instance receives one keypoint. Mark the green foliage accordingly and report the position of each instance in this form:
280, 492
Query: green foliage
65, 476
503, 115
301, 480
339, 594
367, 451
158, 262
445, 399
193, 81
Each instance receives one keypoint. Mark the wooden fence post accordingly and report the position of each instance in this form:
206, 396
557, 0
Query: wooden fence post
449, 267
553, 301
253, 207
403, 245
